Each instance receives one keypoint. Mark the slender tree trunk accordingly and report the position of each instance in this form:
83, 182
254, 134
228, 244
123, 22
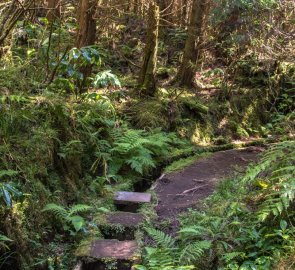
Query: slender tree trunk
86, 23
193, 53
86, 34
53, 10
148, 72
184, 12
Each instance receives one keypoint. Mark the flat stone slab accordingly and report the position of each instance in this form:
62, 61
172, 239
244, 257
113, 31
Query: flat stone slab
125, 219
124, 197
114, 249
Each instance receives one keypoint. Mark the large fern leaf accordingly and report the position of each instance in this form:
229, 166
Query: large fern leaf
193, 251
79, 208
57, 210
162, 239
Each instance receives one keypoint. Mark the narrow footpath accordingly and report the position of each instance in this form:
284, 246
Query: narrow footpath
177, 192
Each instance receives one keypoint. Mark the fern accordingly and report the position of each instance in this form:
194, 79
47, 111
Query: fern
59, 211
79, 208
196, 231
69, 216
228, 257
167, 254
194, 251
278, 165
162, 239
137, 150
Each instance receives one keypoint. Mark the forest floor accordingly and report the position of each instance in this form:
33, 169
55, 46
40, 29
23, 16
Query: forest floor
179, 191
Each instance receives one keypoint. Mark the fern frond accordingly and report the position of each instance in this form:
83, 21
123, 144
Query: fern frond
79, 208
196, 231
57, 210
194, 251
162, 239
228, 257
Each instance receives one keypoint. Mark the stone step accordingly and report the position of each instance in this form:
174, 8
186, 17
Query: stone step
110, 249
124, 197
125, 219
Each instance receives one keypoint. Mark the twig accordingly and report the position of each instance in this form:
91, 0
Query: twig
57, 66
191, 190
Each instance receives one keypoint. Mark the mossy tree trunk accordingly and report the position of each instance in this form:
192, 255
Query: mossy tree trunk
193, 51
147, 75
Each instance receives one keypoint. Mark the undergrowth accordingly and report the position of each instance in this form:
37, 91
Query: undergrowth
61, 152
246, 224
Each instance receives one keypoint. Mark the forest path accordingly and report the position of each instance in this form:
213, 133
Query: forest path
179, 191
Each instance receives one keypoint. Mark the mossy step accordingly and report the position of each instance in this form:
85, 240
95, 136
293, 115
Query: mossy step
111, 249
124, 197
125, 219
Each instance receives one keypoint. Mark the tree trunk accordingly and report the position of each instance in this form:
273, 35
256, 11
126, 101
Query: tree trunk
86, 34
86, 23
14, 12
193, 51
148, 72
53, 10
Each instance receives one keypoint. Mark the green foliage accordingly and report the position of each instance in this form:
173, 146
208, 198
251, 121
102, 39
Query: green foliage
171, 253
280, 181
7, 190
144, 114
70, 215
105, 78
70, 67
162, 239
138, 150
3, 240
249, 219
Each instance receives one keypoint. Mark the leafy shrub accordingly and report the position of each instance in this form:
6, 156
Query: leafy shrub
106, 78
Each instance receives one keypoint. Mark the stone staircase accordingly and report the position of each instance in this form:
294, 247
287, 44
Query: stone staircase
119, 248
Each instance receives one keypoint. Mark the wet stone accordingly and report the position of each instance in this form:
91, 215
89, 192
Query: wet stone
124, 197
113, 249
125, 219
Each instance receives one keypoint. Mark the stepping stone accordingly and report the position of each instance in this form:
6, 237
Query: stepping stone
124, 197
130, 220
111, 249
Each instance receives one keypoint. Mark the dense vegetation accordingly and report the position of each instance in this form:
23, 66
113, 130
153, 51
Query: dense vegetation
251, 230
100, 96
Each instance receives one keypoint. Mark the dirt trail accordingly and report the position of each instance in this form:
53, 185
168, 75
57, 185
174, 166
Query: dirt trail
182, 190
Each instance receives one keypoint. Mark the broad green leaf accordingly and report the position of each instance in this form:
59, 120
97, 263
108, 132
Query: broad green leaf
78, 222
6, 197
283, 224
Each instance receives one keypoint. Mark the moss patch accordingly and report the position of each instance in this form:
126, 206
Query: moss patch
184, 162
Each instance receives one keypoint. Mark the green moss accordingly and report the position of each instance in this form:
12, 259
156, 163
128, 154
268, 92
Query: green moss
151, 113
242, 133
184, 162
193, 105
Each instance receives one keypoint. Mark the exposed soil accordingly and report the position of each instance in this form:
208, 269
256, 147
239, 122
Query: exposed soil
177, 192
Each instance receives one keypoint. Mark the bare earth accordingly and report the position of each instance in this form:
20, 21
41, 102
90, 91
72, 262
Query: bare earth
182, 190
